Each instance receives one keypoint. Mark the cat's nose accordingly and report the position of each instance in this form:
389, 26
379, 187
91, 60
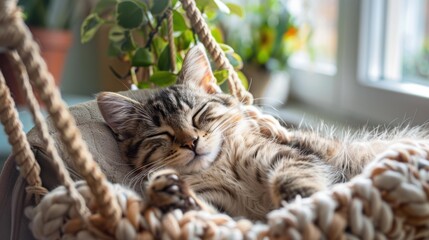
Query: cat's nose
191, 144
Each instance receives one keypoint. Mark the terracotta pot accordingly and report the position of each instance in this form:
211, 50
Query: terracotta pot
9, 74
258, 79
269, 88
54, 45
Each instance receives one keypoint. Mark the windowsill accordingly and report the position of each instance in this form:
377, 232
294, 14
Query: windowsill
407, 88
298, 114
326, 69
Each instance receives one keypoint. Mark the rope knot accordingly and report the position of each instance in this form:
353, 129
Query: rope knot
8, 16
36, 190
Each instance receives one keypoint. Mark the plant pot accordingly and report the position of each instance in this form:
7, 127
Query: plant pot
54, 45
269, 88
8, 72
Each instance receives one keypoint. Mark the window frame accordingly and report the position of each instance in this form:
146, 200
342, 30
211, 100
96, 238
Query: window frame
350, 92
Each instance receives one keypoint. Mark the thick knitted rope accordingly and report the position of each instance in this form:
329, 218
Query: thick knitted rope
41, 126
15, 35
390, 200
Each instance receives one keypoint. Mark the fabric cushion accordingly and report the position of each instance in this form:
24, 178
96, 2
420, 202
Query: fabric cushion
102, 145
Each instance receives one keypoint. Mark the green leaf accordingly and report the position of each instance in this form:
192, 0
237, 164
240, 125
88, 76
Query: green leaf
164, 61
184, 40
179, 22
122, 39
159, 6
221, 6
143, 85
221, 76
89, 27
128, 43
211, 13
142, 58
163, 78
142, 4
113, 49
116, 34
243, 79
235, 60
226, 48
158, 44
202, 4
217, 34
236, 9
104, 5
129, 15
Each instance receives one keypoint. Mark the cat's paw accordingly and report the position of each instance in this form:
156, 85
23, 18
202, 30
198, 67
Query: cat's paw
167, 191
286, 189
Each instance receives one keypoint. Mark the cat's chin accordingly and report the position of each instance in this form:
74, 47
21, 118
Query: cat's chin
198, 162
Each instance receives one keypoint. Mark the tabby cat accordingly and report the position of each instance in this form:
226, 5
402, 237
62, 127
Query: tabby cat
206, 137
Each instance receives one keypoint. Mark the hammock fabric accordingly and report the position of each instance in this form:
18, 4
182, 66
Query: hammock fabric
389, 200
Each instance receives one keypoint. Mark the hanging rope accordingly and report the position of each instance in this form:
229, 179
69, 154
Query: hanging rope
15, 35
171, 43
203, 31
21, 151
56, 162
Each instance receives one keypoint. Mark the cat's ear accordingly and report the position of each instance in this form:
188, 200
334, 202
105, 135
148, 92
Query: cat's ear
116, 109
196, 70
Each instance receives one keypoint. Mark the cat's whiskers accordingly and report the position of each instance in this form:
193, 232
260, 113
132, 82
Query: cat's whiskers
129, 178
221, 124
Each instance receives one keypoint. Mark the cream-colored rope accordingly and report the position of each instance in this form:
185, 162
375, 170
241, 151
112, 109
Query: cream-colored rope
21, 151
51, 151
204, 34
390, 200
15, 35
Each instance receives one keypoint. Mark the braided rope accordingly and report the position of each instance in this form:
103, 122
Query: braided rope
41, 126
24, 157
203, 32
171, 40
390, 200
15, 35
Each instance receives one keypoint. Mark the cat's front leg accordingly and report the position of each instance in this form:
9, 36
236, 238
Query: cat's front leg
167, 191
301, 177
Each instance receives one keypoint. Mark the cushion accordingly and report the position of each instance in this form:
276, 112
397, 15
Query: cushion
102, 145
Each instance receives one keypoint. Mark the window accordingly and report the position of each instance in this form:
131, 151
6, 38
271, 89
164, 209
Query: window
395, 46
317, 21
403, 42
381, 60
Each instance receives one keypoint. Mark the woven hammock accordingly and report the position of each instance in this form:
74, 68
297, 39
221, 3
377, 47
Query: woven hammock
389, 200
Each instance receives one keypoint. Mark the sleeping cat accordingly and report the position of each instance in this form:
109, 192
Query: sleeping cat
206, 137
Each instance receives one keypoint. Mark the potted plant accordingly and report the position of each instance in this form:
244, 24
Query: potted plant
139, 36
265, 39
49, 21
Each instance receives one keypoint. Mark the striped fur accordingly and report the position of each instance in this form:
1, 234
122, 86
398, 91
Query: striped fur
207, 138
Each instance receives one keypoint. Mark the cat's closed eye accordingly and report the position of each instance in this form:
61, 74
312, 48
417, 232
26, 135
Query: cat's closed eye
161, 134
209, 112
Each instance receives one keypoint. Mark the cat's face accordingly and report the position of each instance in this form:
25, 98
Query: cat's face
182, 126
